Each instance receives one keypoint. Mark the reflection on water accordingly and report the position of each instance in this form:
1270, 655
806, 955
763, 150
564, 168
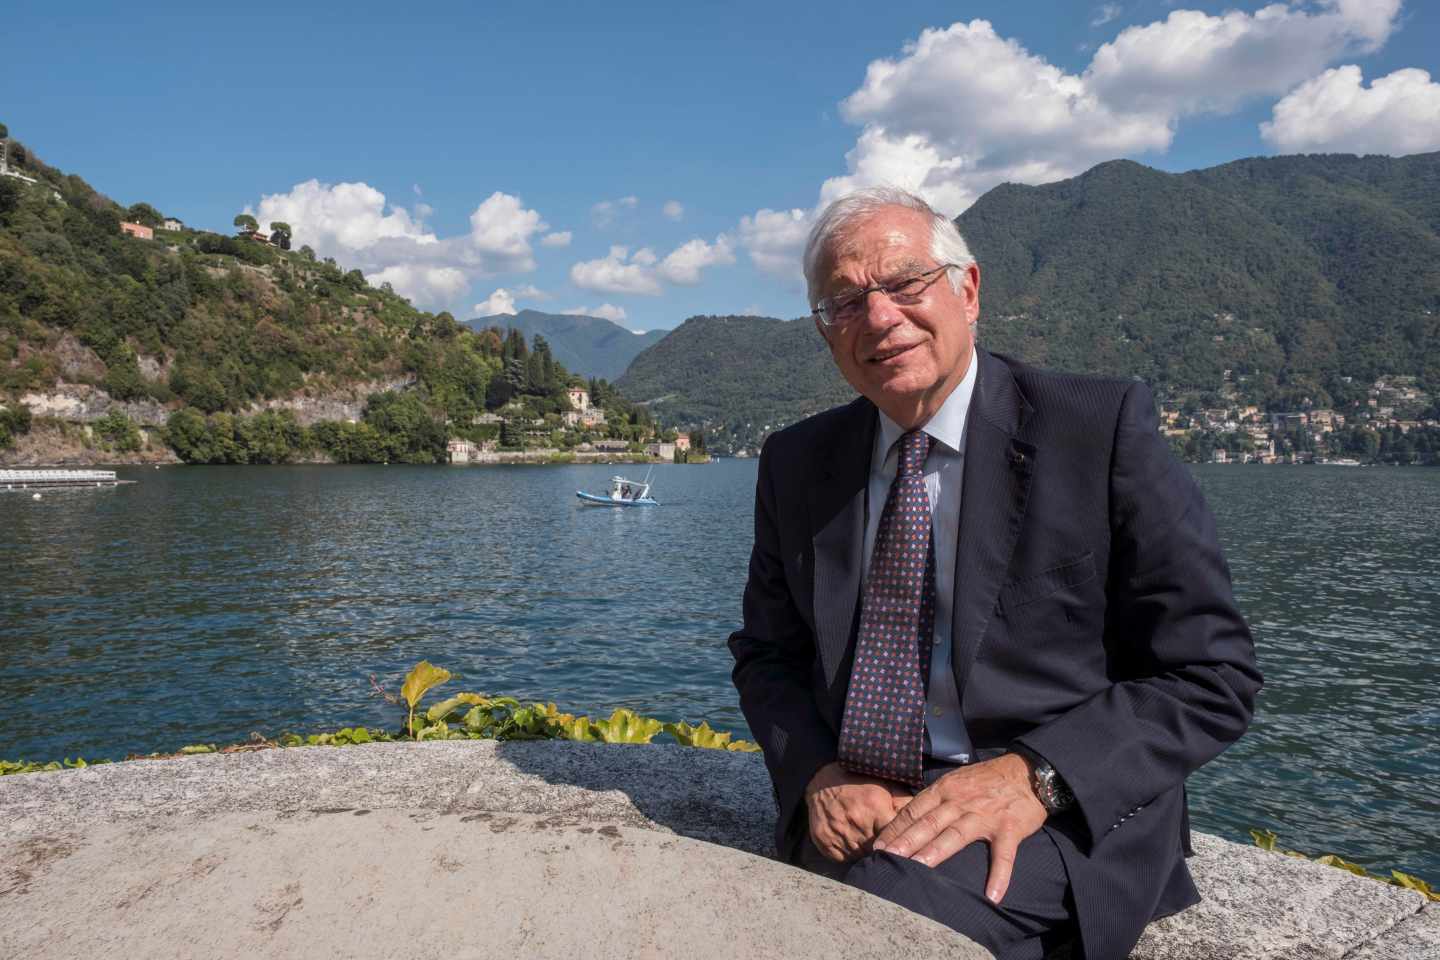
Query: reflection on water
207, 602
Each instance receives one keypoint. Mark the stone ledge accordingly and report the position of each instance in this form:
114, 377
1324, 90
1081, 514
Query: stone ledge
1257, 904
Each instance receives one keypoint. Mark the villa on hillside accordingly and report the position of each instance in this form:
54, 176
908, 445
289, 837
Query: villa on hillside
138, 230
682, 441
172, 224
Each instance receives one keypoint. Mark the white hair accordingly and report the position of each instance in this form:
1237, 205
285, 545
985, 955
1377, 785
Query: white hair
946, 243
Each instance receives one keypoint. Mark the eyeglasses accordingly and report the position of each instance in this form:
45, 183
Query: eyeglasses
836, 312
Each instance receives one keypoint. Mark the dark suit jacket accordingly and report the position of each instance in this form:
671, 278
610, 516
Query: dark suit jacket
1094, 622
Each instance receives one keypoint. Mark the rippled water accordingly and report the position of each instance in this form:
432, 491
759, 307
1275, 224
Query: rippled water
207, 602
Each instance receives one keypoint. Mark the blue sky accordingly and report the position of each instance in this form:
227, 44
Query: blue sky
652, 161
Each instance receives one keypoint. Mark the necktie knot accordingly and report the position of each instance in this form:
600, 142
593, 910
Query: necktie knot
914, 448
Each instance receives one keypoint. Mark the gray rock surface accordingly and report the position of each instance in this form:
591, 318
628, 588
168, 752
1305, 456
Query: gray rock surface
214, 850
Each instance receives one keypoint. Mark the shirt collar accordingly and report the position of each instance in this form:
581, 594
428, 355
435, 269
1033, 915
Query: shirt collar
948, 424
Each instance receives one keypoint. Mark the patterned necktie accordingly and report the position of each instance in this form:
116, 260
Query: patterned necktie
883, 731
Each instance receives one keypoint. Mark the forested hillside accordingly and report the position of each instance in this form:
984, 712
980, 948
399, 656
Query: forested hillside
1293, 273
741, 376
206, 332
1290, 283
589, 346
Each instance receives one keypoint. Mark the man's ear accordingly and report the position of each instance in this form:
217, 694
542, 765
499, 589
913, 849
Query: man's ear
970, 289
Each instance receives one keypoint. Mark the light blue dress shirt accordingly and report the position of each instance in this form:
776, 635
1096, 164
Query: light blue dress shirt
944, 475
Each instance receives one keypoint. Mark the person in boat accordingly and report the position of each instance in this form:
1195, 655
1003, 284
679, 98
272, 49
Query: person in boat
988, 629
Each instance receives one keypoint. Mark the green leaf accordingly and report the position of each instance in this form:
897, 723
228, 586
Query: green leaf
701, 736
1264, 839
439, 730
423, 676
1331, 860
441, 711
1414, 883
624, 726
744, 746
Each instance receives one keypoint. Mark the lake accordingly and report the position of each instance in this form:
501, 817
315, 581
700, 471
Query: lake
204, 603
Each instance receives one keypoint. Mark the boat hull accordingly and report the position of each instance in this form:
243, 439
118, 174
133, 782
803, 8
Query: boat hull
595, 500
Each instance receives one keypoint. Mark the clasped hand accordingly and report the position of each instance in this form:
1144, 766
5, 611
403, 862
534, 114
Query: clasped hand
851, 815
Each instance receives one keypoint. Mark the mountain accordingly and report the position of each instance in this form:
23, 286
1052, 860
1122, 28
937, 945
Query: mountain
741, 376
1282, 281
229, 349
1291, 272
590, 346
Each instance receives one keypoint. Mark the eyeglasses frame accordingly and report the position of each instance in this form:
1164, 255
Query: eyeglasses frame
888, 289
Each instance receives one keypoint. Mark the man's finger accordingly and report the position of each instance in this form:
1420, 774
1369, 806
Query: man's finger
904, 821
1002, 864
925, 821
956, 836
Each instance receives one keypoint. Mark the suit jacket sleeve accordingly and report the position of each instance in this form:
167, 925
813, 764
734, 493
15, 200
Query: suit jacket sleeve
774, 661
1187, 677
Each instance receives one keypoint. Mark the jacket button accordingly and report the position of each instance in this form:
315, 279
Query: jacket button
1017, 458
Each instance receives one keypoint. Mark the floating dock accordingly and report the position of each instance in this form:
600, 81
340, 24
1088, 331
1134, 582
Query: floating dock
51, 479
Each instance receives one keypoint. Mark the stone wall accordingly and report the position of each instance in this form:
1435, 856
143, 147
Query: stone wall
129, 846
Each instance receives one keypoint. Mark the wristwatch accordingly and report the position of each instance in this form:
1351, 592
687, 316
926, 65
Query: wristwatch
1049, 787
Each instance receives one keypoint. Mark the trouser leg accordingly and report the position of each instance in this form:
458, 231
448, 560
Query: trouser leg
1035, 917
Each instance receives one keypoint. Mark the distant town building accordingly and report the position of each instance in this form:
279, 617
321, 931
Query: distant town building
579, 399
461, 451
665, 451
172, 224
682, 441
137, 230
612, 446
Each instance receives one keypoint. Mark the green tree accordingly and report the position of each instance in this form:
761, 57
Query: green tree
280, 234
144, 214
118, 432
246, 223
187, 435
14, 421
407, 430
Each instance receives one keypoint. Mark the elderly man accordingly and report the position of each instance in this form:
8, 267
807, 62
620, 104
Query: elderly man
988, 631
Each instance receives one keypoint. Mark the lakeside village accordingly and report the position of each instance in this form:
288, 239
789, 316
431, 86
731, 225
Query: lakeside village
545, 439
1395, 422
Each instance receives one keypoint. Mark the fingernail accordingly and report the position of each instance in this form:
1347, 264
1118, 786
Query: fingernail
992, 895
882, 848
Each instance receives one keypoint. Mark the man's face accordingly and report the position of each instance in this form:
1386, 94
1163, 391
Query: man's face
905, 358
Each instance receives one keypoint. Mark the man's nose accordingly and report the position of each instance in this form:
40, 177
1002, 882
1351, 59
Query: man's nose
880, 312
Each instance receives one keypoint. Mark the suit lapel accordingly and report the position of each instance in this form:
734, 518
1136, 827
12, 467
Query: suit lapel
996, 487
837, 524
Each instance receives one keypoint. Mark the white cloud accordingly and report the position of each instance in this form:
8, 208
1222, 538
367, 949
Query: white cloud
1335, 112
642, 272
422, 283
1105, 14
1192, 61
606, 311
685, 262
775, 239
342, 217
604, 213
613, 274
560, 238
354, 223
531, 292
503, 227
673, 209
501, 301
962, 109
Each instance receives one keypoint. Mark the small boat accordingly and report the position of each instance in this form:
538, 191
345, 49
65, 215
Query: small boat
623, 493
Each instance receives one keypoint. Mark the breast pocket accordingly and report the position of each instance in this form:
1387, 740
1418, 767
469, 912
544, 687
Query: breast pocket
1020, 595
